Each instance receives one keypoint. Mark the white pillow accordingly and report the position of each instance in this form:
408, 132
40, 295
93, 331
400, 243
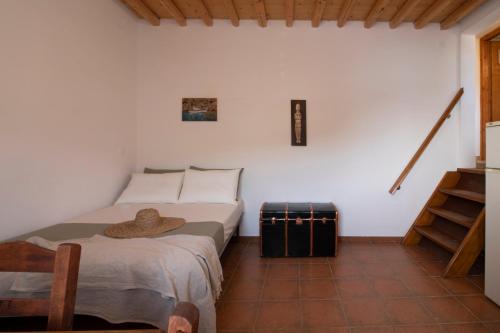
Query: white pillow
152, 188
212, 186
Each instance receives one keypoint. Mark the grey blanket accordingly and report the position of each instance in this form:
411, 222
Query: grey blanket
64, 231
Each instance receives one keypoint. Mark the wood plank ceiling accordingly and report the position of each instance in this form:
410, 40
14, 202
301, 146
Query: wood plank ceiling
420, 12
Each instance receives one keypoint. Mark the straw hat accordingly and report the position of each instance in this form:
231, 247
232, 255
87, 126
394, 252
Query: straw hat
148, 222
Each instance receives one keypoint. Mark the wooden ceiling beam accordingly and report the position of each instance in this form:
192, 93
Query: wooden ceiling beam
232, 13
375, 12
260, 9
430, 13
345, 12
205, 14
143, 11
402, 13
460, 13
289, 12
153, 10
319, 8
174, 11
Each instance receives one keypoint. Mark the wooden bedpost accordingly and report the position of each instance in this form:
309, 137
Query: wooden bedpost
184, 319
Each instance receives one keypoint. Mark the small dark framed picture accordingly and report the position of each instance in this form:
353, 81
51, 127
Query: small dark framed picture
199, 109
299, 124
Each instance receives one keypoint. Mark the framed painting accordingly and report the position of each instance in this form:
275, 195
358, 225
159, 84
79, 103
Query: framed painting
299, 124
199, 109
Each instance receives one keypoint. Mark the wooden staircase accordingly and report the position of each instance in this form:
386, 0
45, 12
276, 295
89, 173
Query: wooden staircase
453, 218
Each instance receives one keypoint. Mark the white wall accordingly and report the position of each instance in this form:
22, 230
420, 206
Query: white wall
372, 96
67, 109
472, 28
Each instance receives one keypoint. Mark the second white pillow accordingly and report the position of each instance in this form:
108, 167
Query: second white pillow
211, 186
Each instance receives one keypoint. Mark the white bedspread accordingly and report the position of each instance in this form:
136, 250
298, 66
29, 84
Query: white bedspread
180, 267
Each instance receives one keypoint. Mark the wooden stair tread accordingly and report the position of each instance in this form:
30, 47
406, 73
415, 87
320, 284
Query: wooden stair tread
465, 194
477, 171
440, 238
458, 218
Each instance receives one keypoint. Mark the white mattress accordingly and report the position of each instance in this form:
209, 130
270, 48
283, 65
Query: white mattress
227, 214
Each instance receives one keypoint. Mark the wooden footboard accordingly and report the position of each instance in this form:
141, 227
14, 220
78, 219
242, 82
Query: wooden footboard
184, 320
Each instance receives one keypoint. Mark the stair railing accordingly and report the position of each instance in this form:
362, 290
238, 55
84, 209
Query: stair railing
446, 114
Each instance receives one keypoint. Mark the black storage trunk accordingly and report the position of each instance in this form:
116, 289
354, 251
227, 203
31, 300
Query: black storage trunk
298, 229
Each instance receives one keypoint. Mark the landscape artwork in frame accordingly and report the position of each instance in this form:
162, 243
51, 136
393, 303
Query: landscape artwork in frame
199, 109
298, 112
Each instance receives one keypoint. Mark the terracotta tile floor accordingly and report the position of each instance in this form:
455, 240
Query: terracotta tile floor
369, 287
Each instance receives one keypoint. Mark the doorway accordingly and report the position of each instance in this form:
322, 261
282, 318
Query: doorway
490, 83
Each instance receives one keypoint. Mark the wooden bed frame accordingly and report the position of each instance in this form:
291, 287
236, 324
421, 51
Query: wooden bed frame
184, 320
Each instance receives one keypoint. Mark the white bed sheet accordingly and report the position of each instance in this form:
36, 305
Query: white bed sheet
227, 214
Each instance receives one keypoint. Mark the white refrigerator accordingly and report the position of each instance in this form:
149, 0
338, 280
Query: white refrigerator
492, 246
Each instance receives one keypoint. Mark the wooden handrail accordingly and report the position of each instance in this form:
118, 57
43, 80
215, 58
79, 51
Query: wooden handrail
428, 139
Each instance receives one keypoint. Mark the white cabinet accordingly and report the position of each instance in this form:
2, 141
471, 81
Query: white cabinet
492, 246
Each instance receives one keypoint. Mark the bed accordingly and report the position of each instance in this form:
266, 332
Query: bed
133, 303
142, 279
208, 225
